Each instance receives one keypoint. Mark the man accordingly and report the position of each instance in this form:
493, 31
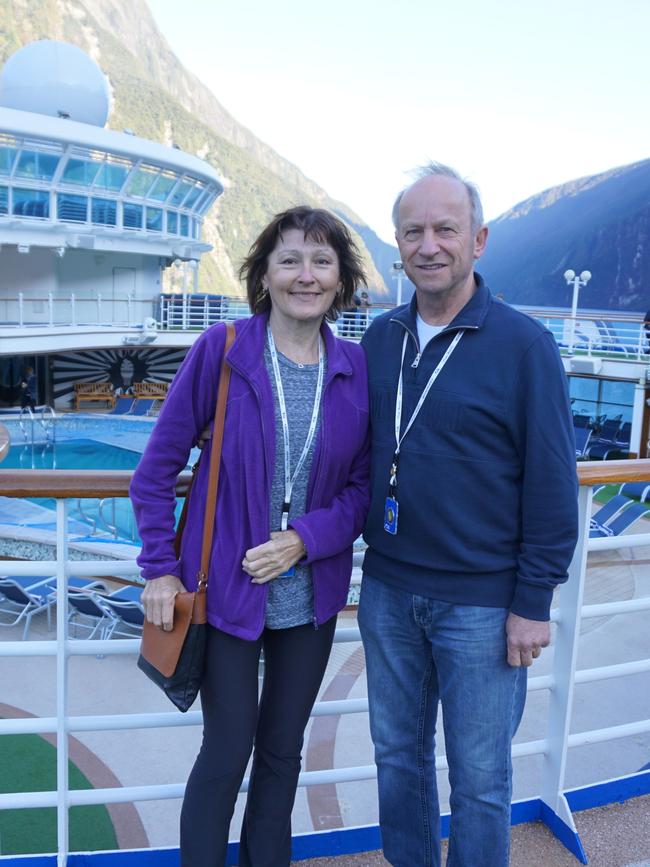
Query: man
472, 523
28, 389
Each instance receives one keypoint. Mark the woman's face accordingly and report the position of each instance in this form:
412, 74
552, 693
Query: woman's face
302, 277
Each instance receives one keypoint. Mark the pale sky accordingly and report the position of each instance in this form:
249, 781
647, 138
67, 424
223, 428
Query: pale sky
517, 95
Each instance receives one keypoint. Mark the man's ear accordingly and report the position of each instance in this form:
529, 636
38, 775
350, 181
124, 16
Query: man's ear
480, 242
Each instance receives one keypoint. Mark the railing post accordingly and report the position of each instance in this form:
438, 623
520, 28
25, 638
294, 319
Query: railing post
99, 308
129, 309
50, 308
558, 814
21, 305
73, 309
62, 681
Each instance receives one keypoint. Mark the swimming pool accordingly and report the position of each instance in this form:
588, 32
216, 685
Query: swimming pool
85, 443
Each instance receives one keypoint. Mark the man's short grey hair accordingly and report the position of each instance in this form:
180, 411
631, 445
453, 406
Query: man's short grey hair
441, 170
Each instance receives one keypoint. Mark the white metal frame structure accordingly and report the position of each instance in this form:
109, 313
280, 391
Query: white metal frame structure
553, 806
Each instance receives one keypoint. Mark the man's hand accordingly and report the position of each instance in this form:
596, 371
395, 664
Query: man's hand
274, 557
526, 639
158, 600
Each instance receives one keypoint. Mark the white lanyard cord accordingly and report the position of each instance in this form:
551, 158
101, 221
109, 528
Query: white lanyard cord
400, 388
289, 479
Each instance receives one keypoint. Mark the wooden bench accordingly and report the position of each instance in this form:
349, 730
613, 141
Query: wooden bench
150, 390
87, 391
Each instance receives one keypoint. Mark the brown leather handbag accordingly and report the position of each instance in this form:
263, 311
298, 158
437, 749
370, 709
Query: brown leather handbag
174, 660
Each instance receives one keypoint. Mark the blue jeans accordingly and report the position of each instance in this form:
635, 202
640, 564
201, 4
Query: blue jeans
420, 651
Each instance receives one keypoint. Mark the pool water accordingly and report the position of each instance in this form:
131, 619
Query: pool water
81, 454
111, 515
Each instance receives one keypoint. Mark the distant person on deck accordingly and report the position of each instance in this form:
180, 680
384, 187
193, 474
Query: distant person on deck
472, 524
28, 389
646, 328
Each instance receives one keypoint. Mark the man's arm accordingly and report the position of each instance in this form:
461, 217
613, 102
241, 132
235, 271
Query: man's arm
542, 429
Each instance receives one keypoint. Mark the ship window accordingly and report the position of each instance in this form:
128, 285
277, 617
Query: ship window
31, 203
4, 200
154, 219
112, 176
163, 186
73, 209
104, 212
180, 192
205, 202
601, 397
141, 181
193, 196
132, 216
185, 225
172, 222
33, 164
7, 157
80, 172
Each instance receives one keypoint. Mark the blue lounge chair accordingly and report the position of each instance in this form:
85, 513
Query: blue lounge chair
583, 435
87, 611
143, 407
23, 597
636, 490
623, 521
602, 449
123, 406
128, 616
600, 520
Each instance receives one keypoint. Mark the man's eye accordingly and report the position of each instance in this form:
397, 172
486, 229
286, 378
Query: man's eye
409, 234
446, 230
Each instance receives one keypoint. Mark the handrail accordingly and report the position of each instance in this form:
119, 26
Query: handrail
65, 484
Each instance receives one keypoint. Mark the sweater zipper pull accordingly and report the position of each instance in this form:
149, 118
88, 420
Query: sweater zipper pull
416, 360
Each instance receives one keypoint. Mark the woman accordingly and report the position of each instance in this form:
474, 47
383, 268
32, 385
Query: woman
293, 495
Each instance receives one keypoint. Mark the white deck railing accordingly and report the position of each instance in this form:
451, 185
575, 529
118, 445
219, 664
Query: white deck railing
592, 334
560, 682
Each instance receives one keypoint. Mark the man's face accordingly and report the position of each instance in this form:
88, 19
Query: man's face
435, 237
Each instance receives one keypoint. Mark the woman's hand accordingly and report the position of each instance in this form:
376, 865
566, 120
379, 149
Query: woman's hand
274, 557
158, 600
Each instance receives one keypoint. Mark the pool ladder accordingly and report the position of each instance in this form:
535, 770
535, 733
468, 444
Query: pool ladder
47, 422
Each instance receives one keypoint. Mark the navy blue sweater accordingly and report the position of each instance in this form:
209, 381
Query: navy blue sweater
487, 484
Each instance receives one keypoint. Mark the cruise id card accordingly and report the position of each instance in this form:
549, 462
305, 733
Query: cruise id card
391, 511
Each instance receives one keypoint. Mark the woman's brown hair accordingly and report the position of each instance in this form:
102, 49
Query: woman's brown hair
317, 225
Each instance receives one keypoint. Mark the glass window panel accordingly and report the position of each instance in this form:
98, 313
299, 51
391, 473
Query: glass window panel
185, 225
4, 200
73, 209
583, 388
154, 219
172, 222
37, 165
163, 186
206, 202
132, 216
193, 196
111, 176
617, 392
7, 156
31, 203
611, 410
141, 181
104, 212
80, 172
180, 192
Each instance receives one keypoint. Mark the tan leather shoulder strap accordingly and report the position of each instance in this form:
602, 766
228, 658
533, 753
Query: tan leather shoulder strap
215, 460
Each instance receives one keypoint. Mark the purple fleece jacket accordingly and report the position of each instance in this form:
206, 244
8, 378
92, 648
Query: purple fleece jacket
338, 492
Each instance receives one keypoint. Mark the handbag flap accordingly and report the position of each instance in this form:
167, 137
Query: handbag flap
162, 649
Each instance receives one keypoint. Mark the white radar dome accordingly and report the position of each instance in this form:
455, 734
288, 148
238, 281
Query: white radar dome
56, 79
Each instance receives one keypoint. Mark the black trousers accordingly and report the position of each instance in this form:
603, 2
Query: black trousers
233, 723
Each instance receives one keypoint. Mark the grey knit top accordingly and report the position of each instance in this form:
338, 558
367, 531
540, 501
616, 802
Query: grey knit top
291, 600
